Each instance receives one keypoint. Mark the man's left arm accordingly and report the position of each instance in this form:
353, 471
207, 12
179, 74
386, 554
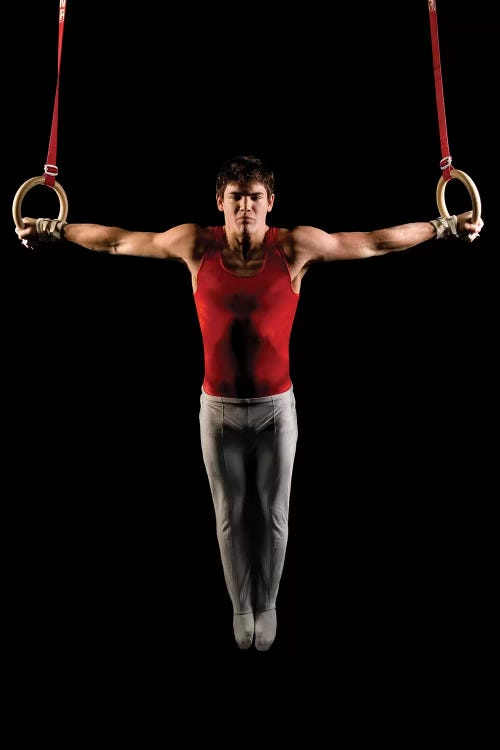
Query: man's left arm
315, 245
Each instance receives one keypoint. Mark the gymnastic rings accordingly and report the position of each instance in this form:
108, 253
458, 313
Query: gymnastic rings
473, 192
26, 187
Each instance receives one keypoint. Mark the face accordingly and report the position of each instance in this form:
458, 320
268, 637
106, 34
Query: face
245, 207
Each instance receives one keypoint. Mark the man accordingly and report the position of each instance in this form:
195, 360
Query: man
246, 279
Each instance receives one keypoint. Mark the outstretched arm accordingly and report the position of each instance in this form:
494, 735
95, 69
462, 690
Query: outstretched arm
179, 242
311, 244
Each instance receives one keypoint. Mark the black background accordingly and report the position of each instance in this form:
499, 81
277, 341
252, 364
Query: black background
114, 560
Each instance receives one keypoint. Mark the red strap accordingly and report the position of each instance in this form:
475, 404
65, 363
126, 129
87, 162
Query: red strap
50, 168
445, 162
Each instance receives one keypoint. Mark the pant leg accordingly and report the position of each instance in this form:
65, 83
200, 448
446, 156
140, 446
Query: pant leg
222, 432
232, 431
275, 445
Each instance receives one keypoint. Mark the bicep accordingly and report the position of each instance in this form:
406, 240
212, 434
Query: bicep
177, 243
143, 244
315, 245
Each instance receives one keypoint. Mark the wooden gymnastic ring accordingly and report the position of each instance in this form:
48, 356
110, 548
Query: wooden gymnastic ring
26, 187
473, 192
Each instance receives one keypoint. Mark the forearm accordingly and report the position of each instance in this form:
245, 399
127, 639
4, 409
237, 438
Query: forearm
408, 235
402, 237
93, 236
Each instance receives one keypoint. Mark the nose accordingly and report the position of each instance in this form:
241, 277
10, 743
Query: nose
246, 203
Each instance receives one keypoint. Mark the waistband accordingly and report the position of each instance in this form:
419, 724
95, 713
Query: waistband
246, 401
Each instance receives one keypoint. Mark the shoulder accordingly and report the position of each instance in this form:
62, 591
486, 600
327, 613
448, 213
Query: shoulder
303, 242
192, 240
182, 241
212, 235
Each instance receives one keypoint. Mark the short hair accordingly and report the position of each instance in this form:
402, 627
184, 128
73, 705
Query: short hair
244, 170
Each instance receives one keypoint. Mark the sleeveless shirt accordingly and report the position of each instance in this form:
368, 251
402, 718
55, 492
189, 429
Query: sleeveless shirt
245, 322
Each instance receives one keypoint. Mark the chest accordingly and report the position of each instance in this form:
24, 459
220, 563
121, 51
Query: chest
268, 287
242, 267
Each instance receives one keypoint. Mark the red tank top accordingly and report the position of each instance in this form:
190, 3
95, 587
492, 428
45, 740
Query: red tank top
245, 322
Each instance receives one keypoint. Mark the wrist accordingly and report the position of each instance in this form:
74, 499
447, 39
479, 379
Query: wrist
50, 229
447, 226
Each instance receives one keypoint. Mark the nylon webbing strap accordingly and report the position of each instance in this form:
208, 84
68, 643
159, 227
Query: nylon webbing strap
445, 162
51, 169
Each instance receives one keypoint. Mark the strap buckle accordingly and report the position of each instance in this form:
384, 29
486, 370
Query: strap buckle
51, 169
445, 163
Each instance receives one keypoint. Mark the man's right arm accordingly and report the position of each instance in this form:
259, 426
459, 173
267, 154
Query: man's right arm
179, 242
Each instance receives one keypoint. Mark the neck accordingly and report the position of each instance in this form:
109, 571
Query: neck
245, 245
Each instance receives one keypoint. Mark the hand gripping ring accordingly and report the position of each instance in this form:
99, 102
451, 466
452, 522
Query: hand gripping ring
26, 187
473, 192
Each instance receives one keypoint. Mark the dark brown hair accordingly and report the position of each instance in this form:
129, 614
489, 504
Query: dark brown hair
244, 170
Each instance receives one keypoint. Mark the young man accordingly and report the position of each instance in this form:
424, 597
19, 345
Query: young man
246, 279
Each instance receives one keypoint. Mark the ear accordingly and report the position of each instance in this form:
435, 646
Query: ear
270, 203
220, 203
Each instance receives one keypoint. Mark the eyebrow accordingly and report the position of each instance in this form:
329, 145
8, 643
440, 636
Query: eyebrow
243, 192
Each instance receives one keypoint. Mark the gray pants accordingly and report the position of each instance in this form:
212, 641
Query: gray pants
248, 447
